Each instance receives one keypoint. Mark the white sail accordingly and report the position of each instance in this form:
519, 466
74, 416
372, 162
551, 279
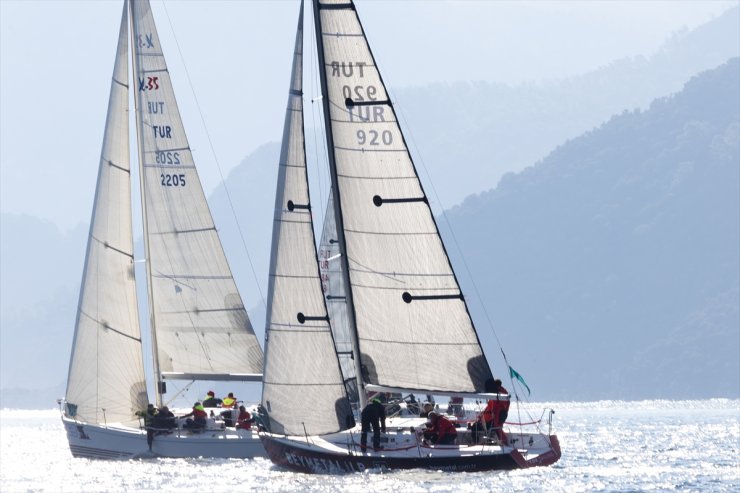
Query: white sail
201, 328
300, 363
413, 327
106, 373
332, 283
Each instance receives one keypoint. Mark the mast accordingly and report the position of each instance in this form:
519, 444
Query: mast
337, 200
145, 222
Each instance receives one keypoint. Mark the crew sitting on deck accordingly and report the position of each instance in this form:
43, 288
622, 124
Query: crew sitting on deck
228, 401
211, 400
439, 430
199, 418
164, 420
244, 420
428, 408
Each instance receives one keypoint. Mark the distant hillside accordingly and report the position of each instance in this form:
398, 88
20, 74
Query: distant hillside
611, 268
490, 129
41, 271
251, 188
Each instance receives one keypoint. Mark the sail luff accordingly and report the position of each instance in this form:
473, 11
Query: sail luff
106, 382
199, 320
145, 220
338, 217
408, 307
301, 365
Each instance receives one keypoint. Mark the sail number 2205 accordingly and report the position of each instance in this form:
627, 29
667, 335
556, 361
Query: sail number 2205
169, 180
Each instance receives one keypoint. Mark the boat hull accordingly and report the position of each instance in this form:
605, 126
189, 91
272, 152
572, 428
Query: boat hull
302, 457
111, 442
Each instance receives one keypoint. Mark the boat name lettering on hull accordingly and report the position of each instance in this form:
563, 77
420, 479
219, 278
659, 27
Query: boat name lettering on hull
347, 69
316, 464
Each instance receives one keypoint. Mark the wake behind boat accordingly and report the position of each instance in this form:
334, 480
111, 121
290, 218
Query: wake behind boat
396, 323
198, 324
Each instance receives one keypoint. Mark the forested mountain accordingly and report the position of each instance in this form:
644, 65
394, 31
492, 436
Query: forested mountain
490, 129
610, 269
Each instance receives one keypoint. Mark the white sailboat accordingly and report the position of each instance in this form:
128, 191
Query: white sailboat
199, 326
410, 330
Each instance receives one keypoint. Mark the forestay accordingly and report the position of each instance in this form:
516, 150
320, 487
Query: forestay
301, 369
413, 326
201, 327
106, 374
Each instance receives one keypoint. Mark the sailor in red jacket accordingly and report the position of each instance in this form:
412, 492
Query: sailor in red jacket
439, 430
494, 415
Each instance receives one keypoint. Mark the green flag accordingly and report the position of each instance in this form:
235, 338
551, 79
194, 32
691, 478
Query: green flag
514, 374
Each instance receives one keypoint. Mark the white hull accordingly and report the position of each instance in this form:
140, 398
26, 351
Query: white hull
121, 442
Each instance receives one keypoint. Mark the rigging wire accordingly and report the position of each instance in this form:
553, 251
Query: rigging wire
215, 159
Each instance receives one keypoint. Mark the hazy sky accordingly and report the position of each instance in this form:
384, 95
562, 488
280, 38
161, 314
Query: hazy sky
56, 59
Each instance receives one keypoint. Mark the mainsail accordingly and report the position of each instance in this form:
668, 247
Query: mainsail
413, 327
201, 328
300, 364
106, 373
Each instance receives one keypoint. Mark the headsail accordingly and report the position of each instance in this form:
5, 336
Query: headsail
201, 327
332, 283
106, 372
300, 363
413, 327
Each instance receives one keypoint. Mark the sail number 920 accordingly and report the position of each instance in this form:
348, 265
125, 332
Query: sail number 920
169, 180
374, 138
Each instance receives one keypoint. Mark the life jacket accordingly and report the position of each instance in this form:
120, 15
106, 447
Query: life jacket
444, 427
199, 412
228, 402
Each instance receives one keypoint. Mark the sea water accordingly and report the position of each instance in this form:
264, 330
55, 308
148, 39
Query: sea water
612, 446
